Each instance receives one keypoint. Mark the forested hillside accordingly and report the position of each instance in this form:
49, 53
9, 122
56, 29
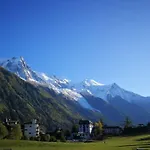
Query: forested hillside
24, 101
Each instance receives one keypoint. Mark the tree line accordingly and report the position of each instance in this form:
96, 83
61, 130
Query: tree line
15, 132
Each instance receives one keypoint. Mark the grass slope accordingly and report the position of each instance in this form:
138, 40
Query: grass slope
119, 143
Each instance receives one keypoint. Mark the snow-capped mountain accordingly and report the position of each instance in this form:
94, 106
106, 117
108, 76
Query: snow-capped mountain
90, 87
103, 91
21, 69
60, 83
109, 100
60, 86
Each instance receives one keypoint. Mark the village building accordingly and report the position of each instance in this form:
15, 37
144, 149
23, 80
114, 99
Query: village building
32, 129
112, 130
85, 129
9, 122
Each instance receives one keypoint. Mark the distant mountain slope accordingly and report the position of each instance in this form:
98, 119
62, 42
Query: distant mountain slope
136, 113
24, 101
109, 112
89, 98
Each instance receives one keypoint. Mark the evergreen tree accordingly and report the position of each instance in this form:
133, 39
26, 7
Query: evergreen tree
3, 131
148, 124
102, 121
67, 133
16, 132
75, 128
127, 122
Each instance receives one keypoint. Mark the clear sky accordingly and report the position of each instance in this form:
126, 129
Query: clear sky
106, 40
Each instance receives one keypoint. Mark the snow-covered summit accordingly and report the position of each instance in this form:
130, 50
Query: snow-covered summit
66, 87
20, 68
91, 82
60, 86
60, 83
103, 91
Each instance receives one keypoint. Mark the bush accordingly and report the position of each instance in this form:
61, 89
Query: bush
62, 139
38, 138
45, 137
3, 131
33, 138
53, 139
25, 138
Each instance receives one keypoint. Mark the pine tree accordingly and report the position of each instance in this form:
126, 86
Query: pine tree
127, 122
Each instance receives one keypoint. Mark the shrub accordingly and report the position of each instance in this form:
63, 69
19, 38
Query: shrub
62, 139
45, 137
25, 138
53, 139
32, 138
3, 131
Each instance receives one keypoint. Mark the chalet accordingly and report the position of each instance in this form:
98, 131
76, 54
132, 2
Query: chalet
112, 130
11, 123
85, 128
32, 129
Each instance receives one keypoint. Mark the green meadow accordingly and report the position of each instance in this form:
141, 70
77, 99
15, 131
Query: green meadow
114, 143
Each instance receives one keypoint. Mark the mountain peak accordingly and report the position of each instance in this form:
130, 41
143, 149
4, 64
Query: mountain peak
91, 82
114, 85
16, 58
18, 66
12, 61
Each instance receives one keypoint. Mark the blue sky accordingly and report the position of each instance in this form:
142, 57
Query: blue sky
106, 40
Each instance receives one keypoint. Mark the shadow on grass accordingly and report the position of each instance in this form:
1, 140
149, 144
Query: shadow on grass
144, 139
143, 145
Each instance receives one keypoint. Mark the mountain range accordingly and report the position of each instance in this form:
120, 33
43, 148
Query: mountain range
89, 99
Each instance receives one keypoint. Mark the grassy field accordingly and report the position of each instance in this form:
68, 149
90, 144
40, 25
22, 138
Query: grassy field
115, 143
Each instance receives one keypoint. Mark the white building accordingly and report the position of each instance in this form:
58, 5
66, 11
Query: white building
32, 129
85, 128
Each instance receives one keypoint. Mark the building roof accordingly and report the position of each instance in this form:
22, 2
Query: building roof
11, 121
31, 122
85, 122
112, 127
28, 122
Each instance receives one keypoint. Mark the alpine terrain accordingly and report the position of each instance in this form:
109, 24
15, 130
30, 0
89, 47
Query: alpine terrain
25, 93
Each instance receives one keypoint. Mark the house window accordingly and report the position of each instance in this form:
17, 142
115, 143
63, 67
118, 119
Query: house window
29, 132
